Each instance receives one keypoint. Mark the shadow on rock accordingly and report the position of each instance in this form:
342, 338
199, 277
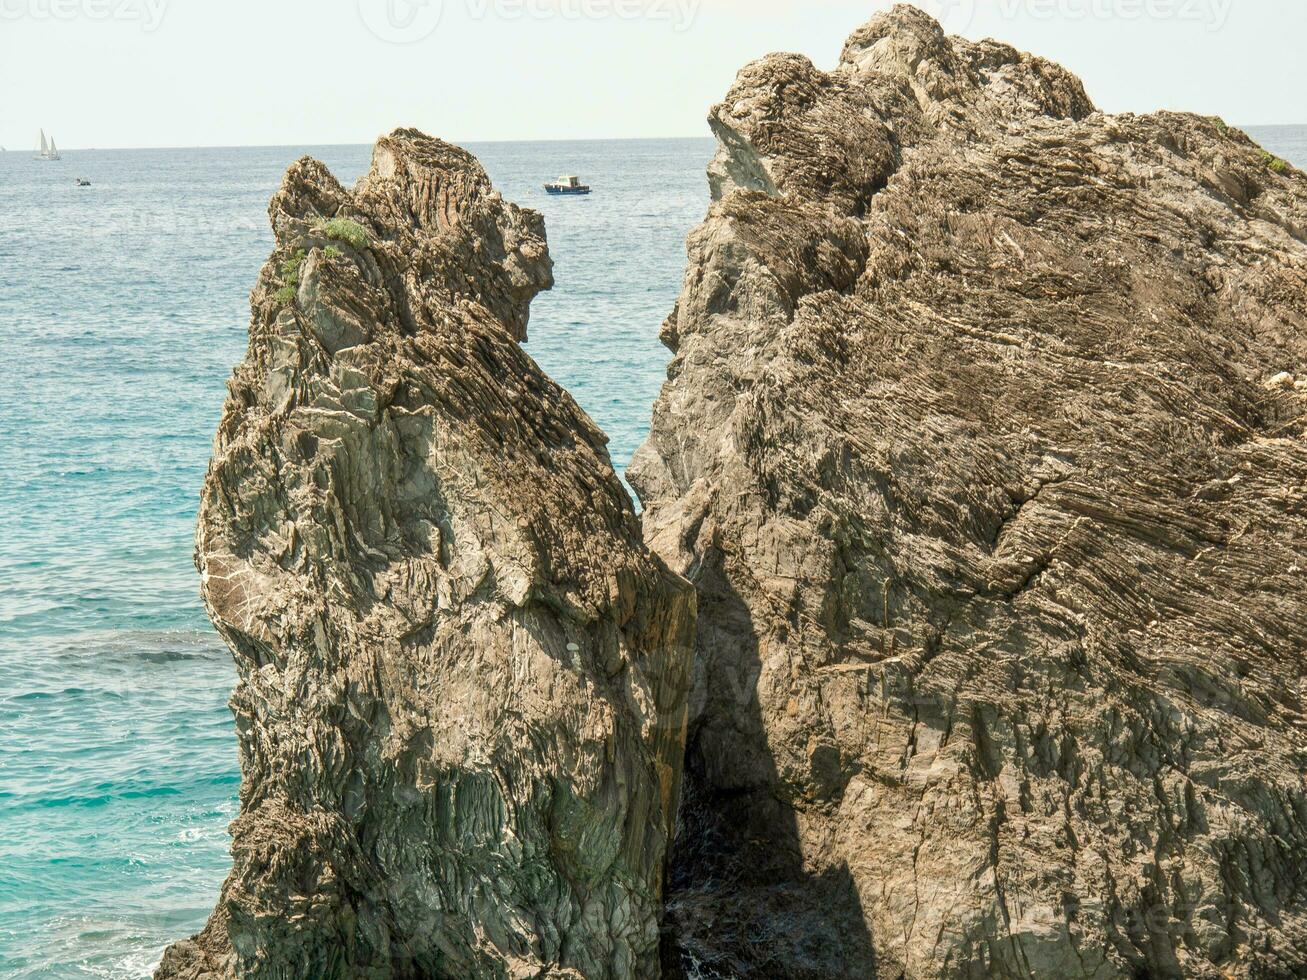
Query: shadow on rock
740, 900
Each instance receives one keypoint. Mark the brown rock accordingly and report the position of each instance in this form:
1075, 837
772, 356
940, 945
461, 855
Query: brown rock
462, 685
996, 529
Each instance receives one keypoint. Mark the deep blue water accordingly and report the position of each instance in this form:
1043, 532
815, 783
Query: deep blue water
123, 307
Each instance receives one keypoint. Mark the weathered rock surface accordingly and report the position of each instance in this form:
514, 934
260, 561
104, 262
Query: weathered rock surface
462, 677
984, 446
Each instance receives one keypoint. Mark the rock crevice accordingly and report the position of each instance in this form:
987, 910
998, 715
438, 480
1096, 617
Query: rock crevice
982, 457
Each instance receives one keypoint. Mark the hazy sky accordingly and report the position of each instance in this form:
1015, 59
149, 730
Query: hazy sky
110, 73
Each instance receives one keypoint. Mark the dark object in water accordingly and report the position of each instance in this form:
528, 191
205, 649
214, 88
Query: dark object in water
567, 185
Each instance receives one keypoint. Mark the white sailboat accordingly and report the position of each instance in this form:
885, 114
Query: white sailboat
48, 150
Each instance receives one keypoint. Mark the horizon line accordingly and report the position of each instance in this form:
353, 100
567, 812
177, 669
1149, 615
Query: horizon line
470, 142
281, 146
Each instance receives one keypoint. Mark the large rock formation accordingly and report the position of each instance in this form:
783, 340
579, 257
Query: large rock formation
462, 677
983, 446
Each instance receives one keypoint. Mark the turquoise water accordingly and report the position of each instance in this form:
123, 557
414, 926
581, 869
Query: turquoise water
123, 307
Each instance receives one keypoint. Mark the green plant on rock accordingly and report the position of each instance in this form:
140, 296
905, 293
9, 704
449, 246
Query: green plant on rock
345, 230
1274, 163
332, 252
1221, 125
289, 273
290, 269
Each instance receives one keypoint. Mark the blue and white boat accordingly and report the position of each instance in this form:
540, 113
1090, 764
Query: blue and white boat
568, 185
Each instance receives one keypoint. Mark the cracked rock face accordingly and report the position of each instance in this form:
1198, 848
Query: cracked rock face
463, 678
984, 446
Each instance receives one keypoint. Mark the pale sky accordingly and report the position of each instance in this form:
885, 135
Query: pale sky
130, 73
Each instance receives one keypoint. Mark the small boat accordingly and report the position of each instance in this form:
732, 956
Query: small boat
568, 185
48, 150
83, 183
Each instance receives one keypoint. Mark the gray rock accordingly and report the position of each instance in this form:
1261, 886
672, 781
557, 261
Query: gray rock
998, 530
463, 678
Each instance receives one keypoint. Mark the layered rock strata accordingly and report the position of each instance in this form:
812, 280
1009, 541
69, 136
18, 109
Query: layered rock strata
463, 678
984, 446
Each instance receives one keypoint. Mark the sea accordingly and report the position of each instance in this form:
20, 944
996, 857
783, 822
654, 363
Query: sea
123, 307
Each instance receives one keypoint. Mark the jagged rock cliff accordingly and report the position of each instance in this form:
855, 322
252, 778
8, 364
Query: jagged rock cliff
462, 677
984, 446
